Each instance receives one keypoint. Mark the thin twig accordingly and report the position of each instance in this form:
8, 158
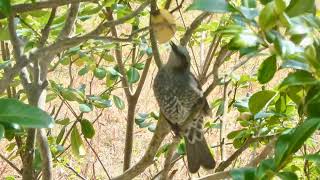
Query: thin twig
11, 164
97, 156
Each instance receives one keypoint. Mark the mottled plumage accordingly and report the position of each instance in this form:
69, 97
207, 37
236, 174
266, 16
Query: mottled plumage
177, 90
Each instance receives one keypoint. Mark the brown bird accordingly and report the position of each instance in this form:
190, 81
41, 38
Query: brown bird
177, 91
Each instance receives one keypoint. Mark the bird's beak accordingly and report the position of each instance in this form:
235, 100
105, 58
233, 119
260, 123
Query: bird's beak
173, 45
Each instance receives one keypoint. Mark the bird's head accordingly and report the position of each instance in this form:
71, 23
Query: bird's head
179, 58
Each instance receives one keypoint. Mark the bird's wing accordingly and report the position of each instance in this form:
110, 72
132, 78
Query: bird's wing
206, 109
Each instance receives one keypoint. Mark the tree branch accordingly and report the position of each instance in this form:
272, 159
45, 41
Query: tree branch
46, 30
194, 25
169, 155
11, 164
154, 45
71, 19
160, 133
21, 8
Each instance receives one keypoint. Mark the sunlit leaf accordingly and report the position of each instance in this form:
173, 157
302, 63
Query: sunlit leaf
259, 100
14, 111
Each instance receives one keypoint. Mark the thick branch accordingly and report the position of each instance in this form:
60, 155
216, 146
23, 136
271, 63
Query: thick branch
71, 19
45, 155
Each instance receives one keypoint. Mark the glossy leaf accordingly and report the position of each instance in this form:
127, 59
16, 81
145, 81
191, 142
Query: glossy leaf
76, 143
100, 73
259, 100
5, 7
216, 6
288, 144
298, 78
133, 75
2, 131
87, 128
118, 102
70, 94
267, 69
85, 108
298, 7
287, 176
14, 111
268, 16
60, 135
243, 173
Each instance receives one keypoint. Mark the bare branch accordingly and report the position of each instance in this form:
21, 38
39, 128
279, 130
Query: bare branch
113, 23
46, 30
20, 8
226, 174
45, 155
160, 133
169, 156
143, 77
154, 45
194, 25
11, 164
72, 16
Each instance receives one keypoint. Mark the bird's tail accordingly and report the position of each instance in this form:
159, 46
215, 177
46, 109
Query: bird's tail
198, 152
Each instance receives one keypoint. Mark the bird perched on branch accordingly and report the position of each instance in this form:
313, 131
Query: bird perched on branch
177, 91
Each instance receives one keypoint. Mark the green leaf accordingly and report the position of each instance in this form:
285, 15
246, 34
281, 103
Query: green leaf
268, 17
64, 121
84, 70
152, 127
102, 103
243, 173
216, 6
249, 13
312, 102
265, 166
118, 102
295, 65
298, 7
14, 111
298, 78
139, 66
85, 108
289, 143
244, 40
5, 64
133, 75
5, 7
100, 73
249, 3
87, 128
60, 135
259, 100
313, 157
70, 94
4, 34
2, 130
286, 48
76, 143
267, 69
287, 176
181, 150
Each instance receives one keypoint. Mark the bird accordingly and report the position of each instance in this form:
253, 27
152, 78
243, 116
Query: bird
177, 90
